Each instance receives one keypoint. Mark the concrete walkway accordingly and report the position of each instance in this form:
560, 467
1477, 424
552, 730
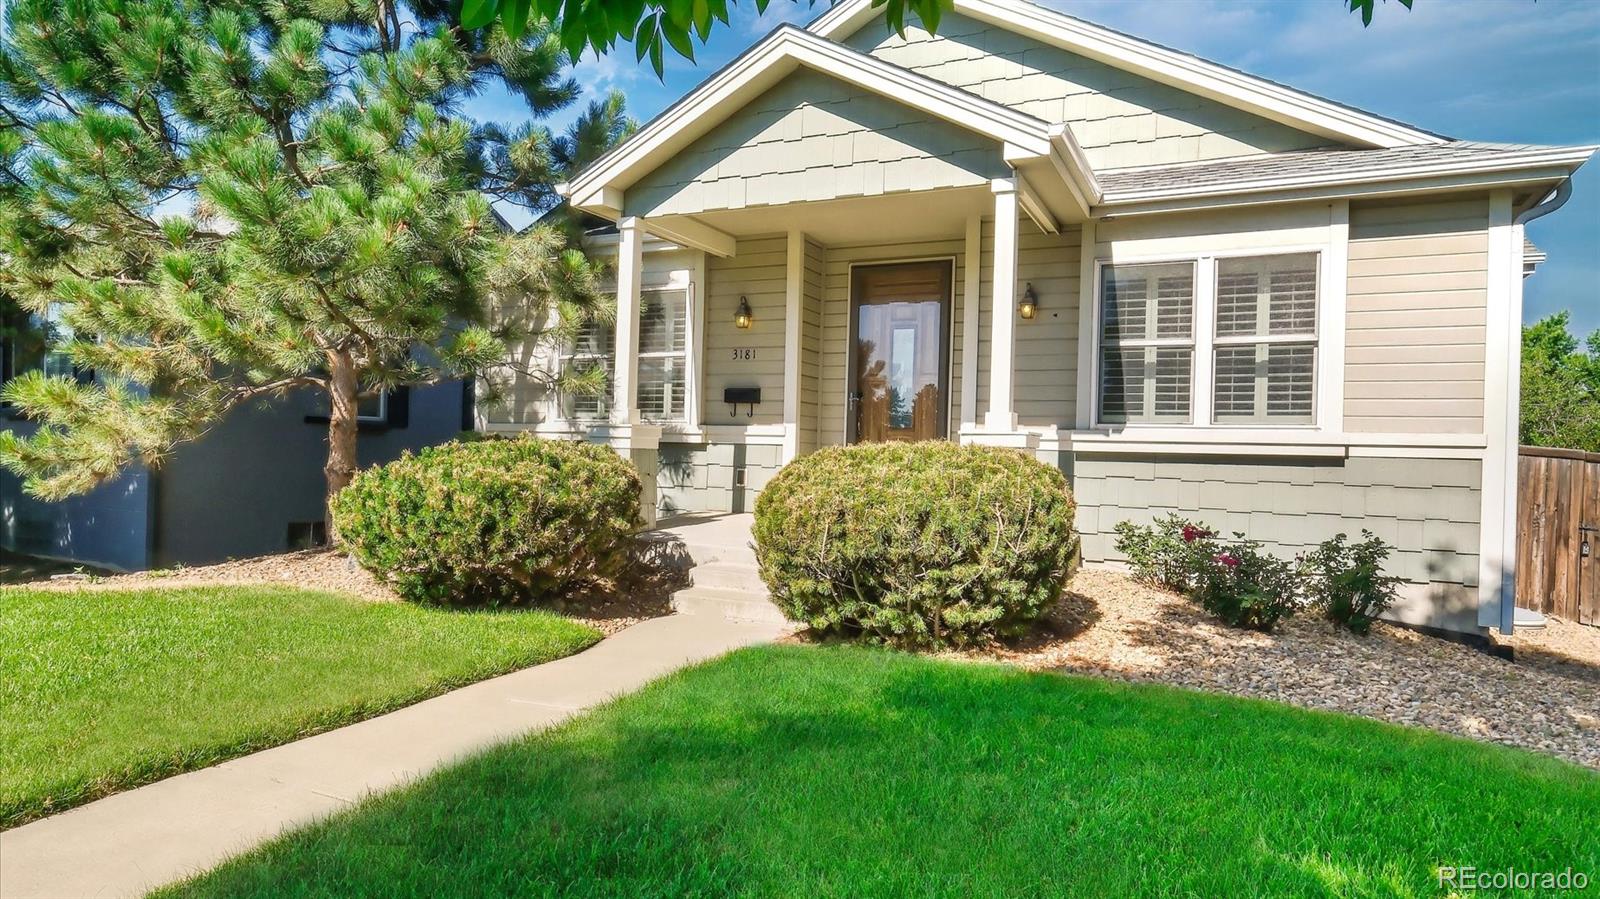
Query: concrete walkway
130, 843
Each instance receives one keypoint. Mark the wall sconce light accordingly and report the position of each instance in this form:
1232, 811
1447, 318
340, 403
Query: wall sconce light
743, 317
1029, 307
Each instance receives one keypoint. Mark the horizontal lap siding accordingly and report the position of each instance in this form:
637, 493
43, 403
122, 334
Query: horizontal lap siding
756, 272
1417, 300
814, 138
836, 326
1046, 370
1120, 119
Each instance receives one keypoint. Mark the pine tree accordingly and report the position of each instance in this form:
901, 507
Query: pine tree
231, 200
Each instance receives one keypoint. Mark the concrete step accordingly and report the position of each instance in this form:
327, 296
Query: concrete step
729, 576
712, 553
734, 605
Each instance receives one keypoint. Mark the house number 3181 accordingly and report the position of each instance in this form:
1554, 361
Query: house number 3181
744, 354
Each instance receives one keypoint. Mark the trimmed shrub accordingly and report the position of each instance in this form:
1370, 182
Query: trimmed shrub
494, 521
1346, 580
915, 544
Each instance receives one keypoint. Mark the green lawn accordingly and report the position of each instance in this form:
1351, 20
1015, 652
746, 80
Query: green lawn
802, 771
103, 690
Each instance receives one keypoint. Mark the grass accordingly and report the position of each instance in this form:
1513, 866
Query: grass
804, 771
104, 690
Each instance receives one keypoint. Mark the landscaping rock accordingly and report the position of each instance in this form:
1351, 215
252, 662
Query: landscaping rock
1547, 699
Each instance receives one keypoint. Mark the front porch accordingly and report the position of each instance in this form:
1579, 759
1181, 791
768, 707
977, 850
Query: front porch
866, 319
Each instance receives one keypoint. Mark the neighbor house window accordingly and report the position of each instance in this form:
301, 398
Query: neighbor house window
1146, 342
663, 354
31, 344
594, 347
1264, 367
373, 408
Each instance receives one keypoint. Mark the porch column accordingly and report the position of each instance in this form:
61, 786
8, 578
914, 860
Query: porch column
631, 438
1003, 313
999, 425
630, 264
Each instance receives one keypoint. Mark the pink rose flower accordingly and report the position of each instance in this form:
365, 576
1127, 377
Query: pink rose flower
1228, 559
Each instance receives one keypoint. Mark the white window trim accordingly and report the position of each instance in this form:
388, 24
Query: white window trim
383, 409
1328, 403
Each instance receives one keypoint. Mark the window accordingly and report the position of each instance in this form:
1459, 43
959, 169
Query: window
1146, 342
1214, 340
373, 408
32, 346
1266, 340
663, 352
594, 347
663, 359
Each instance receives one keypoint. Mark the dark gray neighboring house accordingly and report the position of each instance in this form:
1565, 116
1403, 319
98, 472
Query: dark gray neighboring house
250, 486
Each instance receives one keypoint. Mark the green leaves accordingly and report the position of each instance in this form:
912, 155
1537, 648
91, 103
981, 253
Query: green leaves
1560, 386
1365, 8
479, 13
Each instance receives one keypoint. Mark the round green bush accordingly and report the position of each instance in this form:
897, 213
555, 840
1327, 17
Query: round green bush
915, 544
497, 521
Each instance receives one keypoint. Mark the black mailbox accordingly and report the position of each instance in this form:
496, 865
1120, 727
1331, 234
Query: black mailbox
741, 396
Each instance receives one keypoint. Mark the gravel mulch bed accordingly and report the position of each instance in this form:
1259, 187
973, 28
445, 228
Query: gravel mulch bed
609, 611
1546, 700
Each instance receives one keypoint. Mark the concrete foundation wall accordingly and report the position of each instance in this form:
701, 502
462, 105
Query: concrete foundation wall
1427, 509
716, 477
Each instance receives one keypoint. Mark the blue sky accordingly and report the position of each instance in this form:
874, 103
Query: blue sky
1497, 70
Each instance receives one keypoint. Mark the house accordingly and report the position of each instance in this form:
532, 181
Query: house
1190, 288
252, 485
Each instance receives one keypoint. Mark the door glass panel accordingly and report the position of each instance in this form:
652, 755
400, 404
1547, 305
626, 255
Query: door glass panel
900, 388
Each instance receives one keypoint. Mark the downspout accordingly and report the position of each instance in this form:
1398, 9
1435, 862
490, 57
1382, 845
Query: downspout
1552, 201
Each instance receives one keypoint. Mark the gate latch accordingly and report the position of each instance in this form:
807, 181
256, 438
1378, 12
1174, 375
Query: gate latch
1584, 550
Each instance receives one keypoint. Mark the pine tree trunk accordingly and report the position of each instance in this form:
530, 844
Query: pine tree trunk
342, 417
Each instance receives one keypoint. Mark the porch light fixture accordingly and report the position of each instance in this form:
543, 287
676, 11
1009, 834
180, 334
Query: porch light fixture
1029, 307
743, 317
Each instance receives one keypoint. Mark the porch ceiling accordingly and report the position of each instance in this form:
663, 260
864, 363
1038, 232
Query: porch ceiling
854, 220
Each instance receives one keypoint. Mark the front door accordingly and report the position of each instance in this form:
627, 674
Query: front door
900, 352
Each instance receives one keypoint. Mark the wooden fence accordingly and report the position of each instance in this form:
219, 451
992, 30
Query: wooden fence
1558, 533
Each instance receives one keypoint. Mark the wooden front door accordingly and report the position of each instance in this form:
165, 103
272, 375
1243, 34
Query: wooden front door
900, 350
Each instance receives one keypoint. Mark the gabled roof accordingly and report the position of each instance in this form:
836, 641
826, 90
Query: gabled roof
1332, 168
598, 187
1176, 68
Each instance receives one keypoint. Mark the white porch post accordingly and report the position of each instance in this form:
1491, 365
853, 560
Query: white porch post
631, 438
999, 425
630, 266
793, 300
1002, 416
